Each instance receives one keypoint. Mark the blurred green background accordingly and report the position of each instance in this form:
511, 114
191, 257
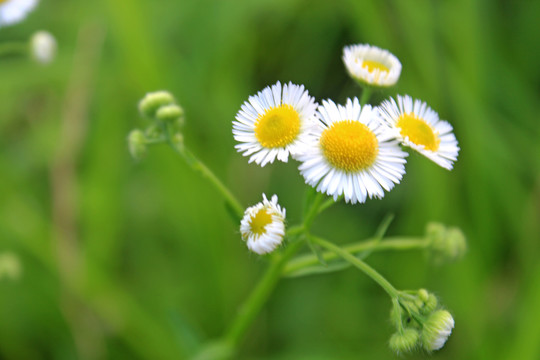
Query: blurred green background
127, 260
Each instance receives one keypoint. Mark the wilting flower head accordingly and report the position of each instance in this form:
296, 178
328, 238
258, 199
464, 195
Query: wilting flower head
416, 125
263, 226
350, 153
14, 11
370, 65
437, 329
273, 123
43, 47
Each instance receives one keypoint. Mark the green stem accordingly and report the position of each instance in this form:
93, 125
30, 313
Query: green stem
368, 270
201, 168
13, 48
259, 295
371, 244
329, 202
366, 94
313, 211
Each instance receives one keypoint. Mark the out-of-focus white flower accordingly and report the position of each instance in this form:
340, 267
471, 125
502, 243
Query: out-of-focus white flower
43, 47
14, 11
371, 65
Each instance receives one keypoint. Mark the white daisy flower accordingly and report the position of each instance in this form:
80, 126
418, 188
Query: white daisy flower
351, 153
263, 226
43, 47
370, 65
437, 329
14, 11
273, 123
416, 125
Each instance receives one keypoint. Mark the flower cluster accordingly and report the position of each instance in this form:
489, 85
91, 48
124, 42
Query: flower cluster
351, 150
420, 322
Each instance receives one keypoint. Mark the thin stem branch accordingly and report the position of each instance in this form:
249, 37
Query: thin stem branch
368, 270
366, 94
205, 172
372, 244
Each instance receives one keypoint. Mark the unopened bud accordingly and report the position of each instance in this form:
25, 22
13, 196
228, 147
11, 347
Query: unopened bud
428, 301
137, 144
151, 102
446, 244
437, 329
43, 47
170, 113
404, 342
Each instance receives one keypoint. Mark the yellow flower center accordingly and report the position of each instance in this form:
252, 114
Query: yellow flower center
371, 66
259, 222
278, 127
1, 1
418, 131
349, 145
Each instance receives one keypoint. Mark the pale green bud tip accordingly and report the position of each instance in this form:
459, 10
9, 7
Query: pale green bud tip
151, 102
404, 342
137, 144
437, 329
427, 301
446, 244
171, 112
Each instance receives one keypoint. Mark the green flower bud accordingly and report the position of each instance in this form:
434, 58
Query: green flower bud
430, 304
137, 144
446, 244
404, 342
151, 102
171, 113
437, 329
428, 301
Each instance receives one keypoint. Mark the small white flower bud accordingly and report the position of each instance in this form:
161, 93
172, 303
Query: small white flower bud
437, 329
446, 244
137, 144
263, 226
404, 342
151, 102
171, 113
43, 47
